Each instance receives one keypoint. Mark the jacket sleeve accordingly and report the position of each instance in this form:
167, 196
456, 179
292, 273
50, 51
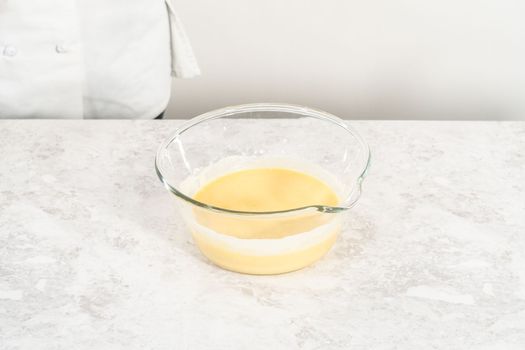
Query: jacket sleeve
183, 62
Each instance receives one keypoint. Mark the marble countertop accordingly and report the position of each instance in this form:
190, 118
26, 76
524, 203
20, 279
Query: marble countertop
94, 256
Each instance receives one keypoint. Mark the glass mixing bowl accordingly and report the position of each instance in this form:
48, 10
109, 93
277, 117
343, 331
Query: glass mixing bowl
257, 136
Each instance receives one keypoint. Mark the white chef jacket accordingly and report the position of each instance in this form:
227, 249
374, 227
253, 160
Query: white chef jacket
90, 58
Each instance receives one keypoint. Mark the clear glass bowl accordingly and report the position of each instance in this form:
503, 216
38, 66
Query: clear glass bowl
255, 136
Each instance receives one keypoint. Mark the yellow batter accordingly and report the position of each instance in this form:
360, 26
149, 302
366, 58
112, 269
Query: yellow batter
264, 190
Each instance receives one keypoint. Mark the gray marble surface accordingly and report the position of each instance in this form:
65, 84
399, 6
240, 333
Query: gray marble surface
94, 256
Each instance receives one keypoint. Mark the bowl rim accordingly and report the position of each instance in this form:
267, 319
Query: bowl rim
346, 204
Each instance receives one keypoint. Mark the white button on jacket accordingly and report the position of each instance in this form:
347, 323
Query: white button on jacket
90, 58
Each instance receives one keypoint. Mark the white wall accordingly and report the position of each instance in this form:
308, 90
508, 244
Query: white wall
447, 59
